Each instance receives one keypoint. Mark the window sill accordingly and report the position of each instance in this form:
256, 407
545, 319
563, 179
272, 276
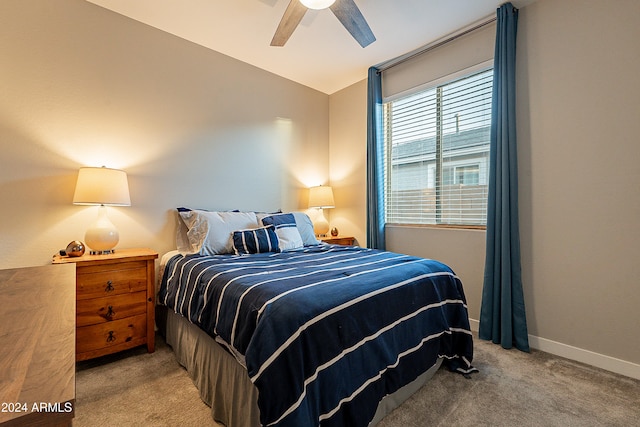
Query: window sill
440, 226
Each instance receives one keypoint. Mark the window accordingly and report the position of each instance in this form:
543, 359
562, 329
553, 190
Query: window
437, 153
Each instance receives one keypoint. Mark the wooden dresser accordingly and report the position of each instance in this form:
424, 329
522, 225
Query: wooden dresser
114, 301
37, 334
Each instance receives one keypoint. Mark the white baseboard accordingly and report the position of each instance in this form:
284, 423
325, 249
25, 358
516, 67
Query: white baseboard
474, 325
601, 361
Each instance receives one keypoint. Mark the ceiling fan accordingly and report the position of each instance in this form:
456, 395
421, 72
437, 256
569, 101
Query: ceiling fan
345, 10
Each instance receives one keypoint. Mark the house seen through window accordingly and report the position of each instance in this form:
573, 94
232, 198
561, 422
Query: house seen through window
437, 153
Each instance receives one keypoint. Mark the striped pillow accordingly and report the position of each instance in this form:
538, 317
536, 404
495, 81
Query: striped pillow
255, 241
288, 235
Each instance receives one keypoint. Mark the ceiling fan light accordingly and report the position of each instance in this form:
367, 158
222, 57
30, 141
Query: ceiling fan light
317, 4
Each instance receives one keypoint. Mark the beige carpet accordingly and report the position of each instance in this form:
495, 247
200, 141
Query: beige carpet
134, 388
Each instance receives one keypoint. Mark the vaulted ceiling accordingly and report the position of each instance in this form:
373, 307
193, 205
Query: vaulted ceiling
321, 53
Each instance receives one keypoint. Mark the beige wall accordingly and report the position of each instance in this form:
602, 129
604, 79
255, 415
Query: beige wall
579, 157
348, 164
578, 111
83, 86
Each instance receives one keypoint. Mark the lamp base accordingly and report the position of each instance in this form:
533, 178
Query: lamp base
320, 224
107, 252
102, 236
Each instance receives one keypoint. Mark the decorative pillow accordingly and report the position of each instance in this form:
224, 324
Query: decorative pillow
255, 241
210, 233
288, 235
305, 227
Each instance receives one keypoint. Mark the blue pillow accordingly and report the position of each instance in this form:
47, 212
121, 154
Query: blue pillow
255, 241
288, 235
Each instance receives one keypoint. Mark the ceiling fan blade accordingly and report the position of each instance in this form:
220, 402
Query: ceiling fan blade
289, 22
348, 13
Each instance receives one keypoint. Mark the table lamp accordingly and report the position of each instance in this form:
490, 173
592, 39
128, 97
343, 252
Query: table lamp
103, 187
321, 197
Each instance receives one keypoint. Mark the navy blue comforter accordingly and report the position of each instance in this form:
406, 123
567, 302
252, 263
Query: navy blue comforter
327, 331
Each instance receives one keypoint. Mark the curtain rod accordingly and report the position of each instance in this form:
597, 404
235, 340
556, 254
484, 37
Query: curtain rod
397, 61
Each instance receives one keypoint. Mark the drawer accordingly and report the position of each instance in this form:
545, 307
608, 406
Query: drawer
108, 309
123, 333
348, 241
106, 280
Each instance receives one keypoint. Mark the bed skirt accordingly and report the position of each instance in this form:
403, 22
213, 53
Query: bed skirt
224, 384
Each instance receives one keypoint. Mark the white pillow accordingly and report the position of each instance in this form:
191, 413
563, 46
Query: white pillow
289, 238
210, 233
305, 227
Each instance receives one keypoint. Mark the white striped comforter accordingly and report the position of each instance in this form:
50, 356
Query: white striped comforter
327, 331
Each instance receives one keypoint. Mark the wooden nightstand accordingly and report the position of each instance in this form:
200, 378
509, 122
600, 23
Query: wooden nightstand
114, 301
339, 240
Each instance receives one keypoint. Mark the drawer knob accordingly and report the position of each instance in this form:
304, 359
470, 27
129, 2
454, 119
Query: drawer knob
109, 286
111, 337
110, 313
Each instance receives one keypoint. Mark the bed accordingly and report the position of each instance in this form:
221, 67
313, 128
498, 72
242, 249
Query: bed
277, 333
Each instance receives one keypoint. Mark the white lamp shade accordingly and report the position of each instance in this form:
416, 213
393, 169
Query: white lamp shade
317, 4
321, 197
102, 186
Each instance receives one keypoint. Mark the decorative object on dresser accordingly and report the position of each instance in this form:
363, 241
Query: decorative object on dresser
37, 334
115, 297
103, 187
74, 248
339, 240
321, 197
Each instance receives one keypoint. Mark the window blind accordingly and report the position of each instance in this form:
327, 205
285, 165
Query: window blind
462, 53
437, 153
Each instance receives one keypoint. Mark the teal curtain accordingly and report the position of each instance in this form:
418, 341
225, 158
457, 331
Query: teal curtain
502, 314
375, 162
